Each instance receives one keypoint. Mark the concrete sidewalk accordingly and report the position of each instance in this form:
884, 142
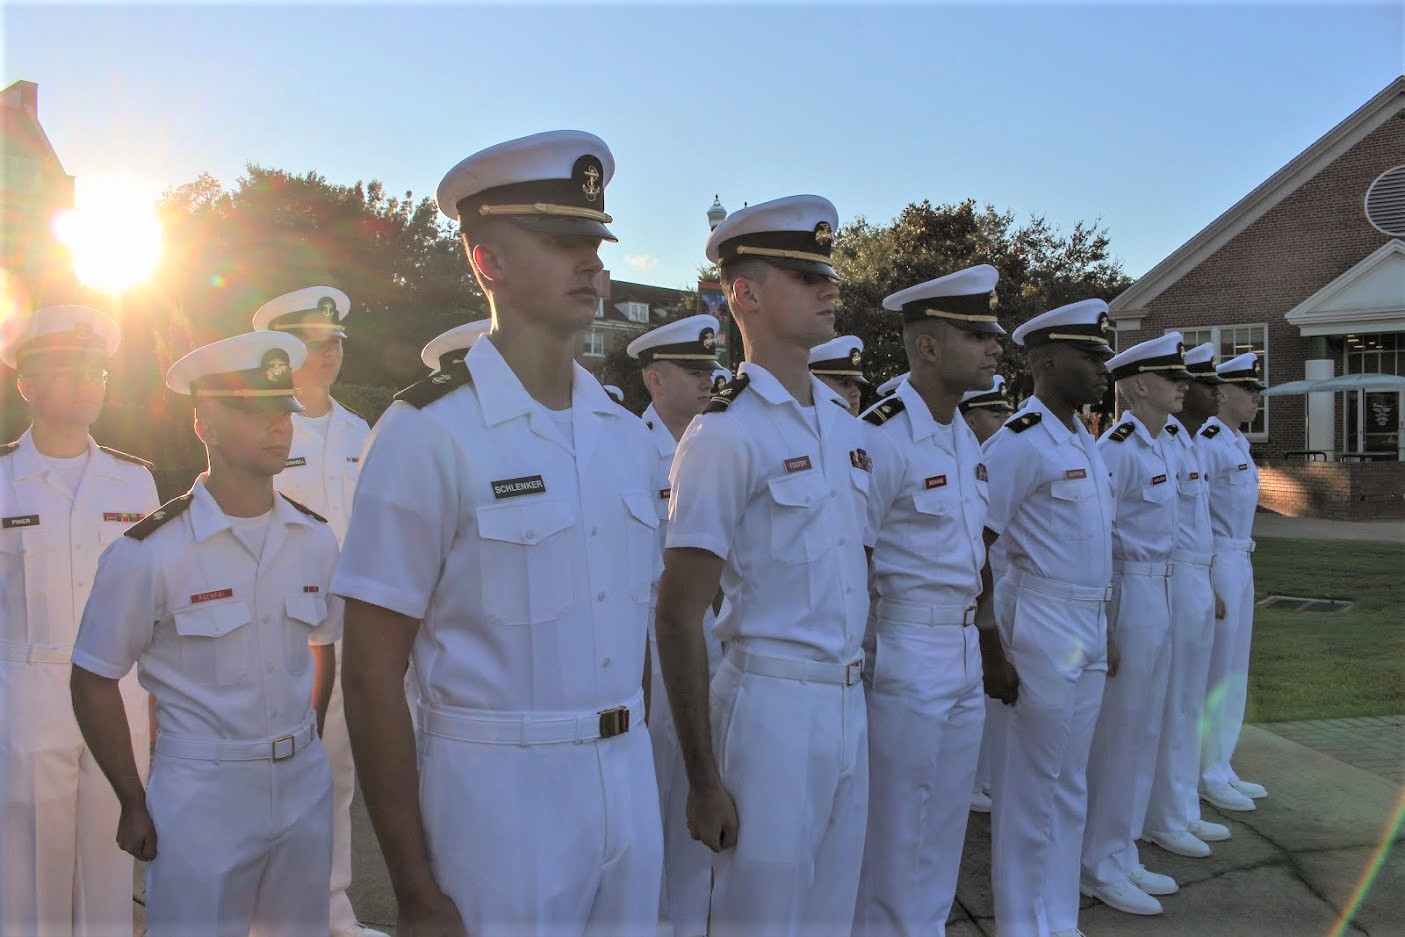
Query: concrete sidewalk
1268, 524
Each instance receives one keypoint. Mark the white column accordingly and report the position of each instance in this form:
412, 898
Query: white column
1321, 428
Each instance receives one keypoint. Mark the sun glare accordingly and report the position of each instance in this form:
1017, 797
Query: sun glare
113, 237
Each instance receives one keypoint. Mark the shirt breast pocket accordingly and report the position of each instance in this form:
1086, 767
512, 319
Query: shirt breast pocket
931, 531
215, 642
304, 612
645, 559
1160, 516
798, 532
1073, 510
526, 563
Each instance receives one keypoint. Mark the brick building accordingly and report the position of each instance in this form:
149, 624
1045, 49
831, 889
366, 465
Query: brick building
626, 311
1307, 270
33, 189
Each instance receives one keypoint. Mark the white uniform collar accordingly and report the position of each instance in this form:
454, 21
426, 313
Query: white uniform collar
771, 391
923, 423
206, 518
502, 396
1052, 424
1140, 428
663, 437
29, 461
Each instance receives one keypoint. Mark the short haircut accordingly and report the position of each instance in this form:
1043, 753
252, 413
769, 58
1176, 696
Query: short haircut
750, 268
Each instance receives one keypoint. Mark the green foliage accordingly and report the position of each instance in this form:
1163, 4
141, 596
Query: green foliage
1040, 268
368, 400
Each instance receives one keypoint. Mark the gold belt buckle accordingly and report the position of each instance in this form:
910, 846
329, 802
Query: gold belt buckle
292, 748
614, 722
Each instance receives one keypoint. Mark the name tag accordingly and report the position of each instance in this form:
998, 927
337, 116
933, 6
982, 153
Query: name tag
122, 517
1071, 474
800, 463
1243, 466
859, 459
981, 474
353, 458
514, 487
294, 463
1159, 480
311, 588
1194, 476
23, 520
211, 596
664, 493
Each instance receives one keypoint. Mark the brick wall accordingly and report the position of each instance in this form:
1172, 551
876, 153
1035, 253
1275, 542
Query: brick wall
1346, 491
1299, 246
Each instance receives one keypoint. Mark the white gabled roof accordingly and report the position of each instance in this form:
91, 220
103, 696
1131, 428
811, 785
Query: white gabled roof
1370, 297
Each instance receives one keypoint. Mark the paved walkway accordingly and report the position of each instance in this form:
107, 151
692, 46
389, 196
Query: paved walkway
1267, 524
1375, 744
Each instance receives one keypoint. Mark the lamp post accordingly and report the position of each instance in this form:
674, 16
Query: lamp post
715, 216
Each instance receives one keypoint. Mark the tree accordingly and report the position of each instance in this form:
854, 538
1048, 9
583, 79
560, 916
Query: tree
1040, 268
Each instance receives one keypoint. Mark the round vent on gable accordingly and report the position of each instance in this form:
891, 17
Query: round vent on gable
1385, 202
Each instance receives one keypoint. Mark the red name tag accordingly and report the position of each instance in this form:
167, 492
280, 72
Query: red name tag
125, 517
211, 596
936, 481
1194, 476
664, 493
798, 464
1159, 480
353, 458
981, 474
1076, 473
312, 588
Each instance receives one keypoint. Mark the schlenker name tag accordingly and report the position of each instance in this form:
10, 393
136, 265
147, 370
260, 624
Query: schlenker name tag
23, 520
513, 487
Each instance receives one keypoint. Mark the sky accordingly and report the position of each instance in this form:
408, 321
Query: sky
1151, 120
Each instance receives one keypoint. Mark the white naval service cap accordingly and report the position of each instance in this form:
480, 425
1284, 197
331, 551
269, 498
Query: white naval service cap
890, 386
447, 348
312, 314
1244, 370
552, 182
1163, 355
78, 330
720, 377
996, 398
1200, 362
796, 232
689, 343
840, 357
1083, 324
963, 298
253, 371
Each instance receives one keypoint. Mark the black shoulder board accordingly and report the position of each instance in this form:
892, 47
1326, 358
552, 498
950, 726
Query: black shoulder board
1172, 428
1210, 432
438, 384
884, 411
1122, 433
154, 521
304, 508
723, 398
1021, 423
8, 448
127, 457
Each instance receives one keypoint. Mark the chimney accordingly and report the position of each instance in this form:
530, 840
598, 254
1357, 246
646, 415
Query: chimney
23, 95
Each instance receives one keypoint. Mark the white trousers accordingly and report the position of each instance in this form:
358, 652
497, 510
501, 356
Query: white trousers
925, 712
794, 757
1059, 648
1175, 798
342, 919
1122, 760
242, 847
551, 839
687, 863
1228, 687
60, 869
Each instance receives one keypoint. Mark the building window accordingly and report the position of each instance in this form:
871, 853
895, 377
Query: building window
635, 312
593, 344
1371, 419
1231, 341
600, 308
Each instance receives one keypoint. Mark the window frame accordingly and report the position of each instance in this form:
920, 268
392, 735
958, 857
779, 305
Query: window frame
1216, 337
590, 338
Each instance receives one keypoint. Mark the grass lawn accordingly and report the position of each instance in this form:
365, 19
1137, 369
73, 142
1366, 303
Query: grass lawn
1328, 665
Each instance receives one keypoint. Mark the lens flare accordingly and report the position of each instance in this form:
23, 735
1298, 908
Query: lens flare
113, 238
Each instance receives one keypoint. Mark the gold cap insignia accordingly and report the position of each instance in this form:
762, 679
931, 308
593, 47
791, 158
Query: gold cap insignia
824, 234
275, 364
856, 357
708, 338
328, 307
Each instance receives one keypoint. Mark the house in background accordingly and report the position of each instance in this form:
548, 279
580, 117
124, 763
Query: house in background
33, 190
1308, 271
626, 311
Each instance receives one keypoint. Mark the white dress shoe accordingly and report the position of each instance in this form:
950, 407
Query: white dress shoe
365, 931
1181, 842
1209, 832
1249, 789
1153, 883
1124, 896
980, 802
1226, 797
1066, 933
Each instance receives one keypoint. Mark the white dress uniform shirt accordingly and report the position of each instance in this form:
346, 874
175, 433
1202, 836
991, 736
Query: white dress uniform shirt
924, 679
322, 467
754, 486
1234, 481
1144, 487
59, 874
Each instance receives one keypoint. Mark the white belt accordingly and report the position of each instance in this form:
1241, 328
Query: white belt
789, 668
956, 615
35, 653
1142, 569
1228, 544
279, 749
1019, 579
1195, 559
502, 728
